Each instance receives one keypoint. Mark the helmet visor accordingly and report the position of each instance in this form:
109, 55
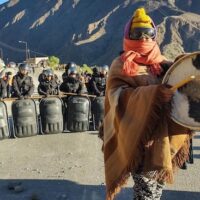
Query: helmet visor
24, 68
72, 70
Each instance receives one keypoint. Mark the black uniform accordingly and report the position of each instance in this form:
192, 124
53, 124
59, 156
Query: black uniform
48, 87
22, 85
72, 85
42, 77
64, 76
97, 84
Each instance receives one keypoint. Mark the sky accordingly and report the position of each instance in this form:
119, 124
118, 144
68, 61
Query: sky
3, 1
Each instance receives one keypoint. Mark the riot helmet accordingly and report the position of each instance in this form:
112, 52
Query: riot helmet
72, 70
95, 70
49, 74
104, 69
69, 65
24, 68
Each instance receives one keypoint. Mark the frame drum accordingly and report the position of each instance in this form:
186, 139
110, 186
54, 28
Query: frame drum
185, 103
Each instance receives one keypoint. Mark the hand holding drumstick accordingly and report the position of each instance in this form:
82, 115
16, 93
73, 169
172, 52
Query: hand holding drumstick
183, 82
169, 91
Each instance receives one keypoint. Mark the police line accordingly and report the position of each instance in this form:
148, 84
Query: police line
52, 114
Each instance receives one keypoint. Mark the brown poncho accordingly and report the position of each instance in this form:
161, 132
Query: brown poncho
137, 131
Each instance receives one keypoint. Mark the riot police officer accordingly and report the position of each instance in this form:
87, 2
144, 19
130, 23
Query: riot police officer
69, 65
71, 83
97, 84
42, 77
6, 85
23, 86
48, 85
105, 70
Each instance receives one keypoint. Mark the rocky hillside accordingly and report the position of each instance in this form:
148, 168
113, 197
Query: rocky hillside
91, 31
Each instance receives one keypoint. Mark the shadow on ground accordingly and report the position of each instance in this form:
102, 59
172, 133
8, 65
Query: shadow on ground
196, 148
197, 156
52, 190
68, 190
183, 195
197, 136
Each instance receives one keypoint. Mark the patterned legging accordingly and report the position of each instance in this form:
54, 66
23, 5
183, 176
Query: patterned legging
146, 189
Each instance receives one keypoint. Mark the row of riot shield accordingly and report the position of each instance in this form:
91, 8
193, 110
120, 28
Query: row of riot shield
51, 115
4, 129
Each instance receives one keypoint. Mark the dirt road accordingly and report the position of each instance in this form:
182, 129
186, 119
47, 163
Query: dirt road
70, 166
61, 166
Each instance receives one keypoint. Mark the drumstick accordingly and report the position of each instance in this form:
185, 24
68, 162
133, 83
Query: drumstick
183, 82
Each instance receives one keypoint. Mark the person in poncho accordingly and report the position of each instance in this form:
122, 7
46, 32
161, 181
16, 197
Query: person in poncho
139, 138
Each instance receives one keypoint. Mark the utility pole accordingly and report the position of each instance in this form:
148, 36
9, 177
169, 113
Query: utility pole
1, 50
29, 54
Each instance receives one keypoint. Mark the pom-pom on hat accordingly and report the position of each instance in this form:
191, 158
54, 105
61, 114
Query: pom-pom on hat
141, 19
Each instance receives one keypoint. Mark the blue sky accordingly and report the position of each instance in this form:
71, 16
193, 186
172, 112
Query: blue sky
3, 1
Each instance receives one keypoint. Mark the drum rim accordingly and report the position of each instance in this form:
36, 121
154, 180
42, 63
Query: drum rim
165, 79
170, 70
196, 128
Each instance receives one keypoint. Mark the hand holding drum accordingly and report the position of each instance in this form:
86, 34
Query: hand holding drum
184, 78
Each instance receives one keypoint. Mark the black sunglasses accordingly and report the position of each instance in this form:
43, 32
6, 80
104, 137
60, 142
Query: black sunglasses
139, 33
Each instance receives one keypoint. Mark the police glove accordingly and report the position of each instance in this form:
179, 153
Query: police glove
47, 95
26, 96
103, 93
100, 94
21, 97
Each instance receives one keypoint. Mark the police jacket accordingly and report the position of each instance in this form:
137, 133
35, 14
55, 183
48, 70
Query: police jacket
64, 76
72, 85
41, 77
22, 85
97, 85
48, 87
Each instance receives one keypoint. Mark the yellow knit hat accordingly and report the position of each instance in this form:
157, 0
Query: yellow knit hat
141, 19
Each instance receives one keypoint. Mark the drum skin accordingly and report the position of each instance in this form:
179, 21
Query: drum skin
4, 130
25, 118
185, 104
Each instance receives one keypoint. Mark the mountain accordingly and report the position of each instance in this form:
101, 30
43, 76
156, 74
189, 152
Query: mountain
91, 31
